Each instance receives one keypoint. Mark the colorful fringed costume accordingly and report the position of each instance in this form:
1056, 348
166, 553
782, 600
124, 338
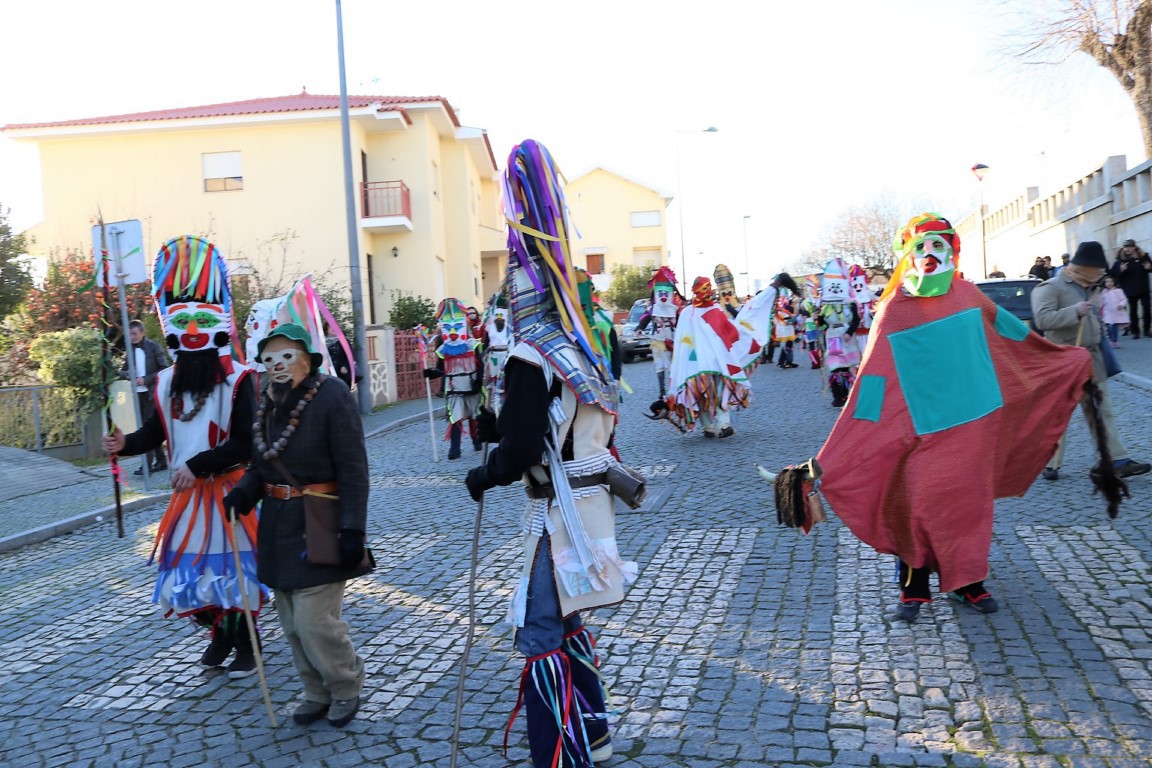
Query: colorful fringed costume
458, 364
555, 429
496, 341
708, 373
943, 419
204, 409
840, 319
660, 322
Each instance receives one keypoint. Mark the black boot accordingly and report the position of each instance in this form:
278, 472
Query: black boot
245, 662
592, 695
454, 441
475, 433
220, 646
555, 728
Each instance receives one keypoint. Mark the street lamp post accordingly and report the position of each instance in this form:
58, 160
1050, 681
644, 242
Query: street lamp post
980, 171
680, 194
747, 274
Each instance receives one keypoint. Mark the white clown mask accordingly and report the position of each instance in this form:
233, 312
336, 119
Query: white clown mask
191, 326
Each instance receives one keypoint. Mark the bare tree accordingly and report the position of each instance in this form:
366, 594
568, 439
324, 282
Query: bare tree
1116, 33
860, 235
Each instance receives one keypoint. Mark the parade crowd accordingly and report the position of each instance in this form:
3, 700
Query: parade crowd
935, 384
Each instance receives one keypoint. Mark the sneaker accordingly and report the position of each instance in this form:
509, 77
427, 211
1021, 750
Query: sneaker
727, 432
341, 711
1129, 468
908, 612
1050, 473
218, 650
709, 434
139, 471
158, 468
601, 753
309, 712
984, 603
243, 665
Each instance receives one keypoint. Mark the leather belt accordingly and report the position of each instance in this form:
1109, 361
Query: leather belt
547, 491
288, 492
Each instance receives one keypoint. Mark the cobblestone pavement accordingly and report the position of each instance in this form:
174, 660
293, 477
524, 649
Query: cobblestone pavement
742, 644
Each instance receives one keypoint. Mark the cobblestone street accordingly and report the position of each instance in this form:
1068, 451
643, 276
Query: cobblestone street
742, 644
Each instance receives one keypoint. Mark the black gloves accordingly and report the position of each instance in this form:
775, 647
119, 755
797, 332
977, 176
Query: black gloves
433, 373
236, 503
478, 482
486, 426
351, 547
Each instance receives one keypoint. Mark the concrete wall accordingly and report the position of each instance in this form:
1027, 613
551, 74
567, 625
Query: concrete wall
1110, 204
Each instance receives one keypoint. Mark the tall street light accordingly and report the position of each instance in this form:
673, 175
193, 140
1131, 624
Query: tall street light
980, 171
680, 195
747, 274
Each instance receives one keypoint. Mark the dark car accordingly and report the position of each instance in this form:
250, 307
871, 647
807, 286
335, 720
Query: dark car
1013, 294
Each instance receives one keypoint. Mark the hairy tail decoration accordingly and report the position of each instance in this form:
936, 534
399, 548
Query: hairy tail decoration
1107, 483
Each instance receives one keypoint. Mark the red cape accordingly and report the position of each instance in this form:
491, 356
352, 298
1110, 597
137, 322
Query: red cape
906, 485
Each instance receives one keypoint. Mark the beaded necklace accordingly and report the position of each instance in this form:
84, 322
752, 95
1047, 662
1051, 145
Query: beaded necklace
258, 441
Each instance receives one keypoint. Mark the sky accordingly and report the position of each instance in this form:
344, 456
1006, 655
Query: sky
819, 106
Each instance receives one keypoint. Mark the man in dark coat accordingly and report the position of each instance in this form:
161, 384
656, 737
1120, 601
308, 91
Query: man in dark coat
1131, 270
308, 439
150, 360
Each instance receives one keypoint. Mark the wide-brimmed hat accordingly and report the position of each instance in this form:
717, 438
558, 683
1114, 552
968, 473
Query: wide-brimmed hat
292, 332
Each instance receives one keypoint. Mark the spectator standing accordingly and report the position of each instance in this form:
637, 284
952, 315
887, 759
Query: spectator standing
1131, 270
150, 360
1113, 309
1040, 269
1064, 258
1065, 310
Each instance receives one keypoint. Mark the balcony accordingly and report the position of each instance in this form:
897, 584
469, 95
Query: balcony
386, 206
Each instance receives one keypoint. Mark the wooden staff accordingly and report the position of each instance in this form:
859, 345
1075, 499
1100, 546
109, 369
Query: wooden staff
105, 356
248, 620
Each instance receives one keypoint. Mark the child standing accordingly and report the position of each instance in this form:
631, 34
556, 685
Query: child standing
1114, 309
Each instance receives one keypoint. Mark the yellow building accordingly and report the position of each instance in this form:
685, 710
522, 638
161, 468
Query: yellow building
619, 220
264, 180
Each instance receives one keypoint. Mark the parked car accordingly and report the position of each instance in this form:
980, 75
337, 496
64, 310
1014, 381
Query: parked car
632, 343
1012, 293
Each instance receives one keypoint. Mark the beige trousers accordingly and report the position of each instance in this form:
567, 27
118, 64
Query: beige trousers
1115, 447
323, 654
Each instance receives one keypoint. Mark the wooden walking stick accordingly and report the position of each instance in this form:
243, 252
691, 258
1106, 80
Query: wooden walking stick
471, 622
105, 392
248, 620
423, 343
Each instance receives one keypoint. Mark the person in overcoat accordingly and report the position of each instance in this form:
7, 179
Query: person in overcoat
308, 438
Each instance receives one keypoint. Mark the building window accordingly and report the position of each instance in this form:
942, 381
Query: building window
646, 256
223, 171
595, 263
645, 218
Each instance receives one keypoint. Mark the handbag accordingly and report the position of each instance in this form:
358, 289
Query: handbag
321, 524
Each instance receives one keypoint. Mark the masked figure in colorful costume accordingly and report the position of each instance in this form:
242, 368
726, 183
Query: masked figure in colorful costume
784, 331
497, 339
661, 318
458, 363
726, 288
944, 419
205, 404
840, 319
560, 405
865, 303
708, 373
810, 313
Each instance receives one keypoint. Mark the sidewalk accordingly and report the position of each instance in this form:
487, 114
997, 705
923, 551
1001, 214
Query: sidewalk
41, 497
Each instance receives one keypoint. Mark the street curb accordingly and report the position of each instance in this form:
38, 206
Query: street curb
52, 530
404, 422
1136, 381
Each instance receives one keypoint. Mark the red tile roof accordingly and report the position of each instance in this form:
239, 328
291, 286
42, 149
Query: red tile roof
301, 102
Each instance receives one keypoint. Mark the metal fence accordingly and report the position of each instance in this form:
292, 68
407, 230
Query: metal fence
409, 371
39, 417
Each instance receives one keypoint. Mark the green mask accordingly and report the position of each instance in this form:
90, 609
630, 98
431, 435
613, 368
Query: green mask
928, 285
